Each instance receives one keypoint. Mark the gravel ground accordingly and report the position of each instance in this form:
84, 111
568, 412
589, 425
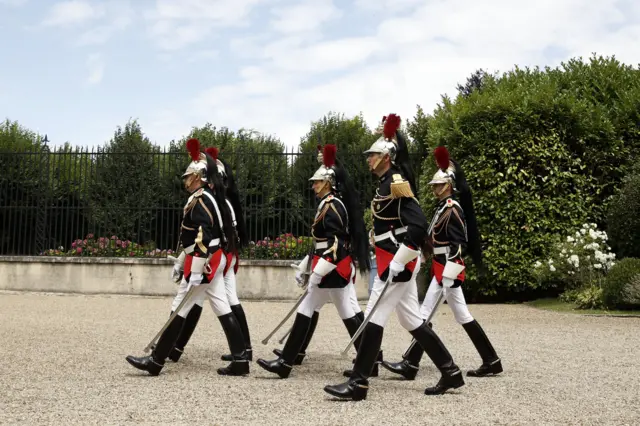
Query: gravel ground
63, 363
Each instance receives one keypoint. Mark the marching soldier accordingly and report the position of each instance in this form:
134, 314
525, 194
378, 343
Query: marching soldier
206, 223
339, 235
399, 227
230, 271
316, 315
452, 230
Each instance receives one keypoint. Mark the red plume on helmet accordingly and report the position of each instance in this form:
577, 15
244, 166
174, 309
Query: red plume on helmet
213, 152
391, 126
329, 155
442, 157
193, 146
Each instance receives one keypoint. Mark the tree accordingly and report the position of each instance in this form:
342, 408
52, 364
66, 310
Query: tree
542, 151
474, 83
123, 193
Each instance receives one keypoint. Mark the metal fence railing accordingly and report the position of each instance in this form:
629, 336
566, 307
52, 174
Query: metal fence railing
96, 203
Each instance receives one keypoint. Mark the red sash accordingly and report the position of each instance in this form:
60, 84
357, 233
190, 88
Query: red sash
437, 269
343, 267
214, 263
384, 258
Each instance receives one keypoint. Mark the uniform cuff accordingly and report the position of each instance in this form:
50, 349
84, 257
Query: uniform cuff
452, 270
302, 266
180, 259
405, 255
323, 267
197, 265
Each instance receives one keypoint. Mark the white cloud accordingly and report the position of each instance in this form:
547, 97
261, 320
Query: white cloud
72, 12
119, 16
306, 15
416, 52
95, 67
13, 3
174, 24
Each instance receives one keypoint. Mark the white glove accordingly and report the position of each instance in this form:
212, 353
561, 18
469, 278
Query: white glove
395, 268
447, 282
195, 279
176, 272
315, 279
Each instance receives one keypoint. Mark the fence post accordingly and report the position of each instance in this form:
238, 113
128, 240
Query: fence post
43, 197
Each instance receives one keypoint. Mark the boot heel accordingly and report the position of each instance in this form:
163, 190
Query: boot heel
496, 368
360, 391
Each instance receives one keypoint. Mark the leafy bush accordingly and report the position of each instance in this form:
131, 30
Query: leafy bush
286, 246
92, 246
623, 218
587, 297
543, 151
579, 260
622, 287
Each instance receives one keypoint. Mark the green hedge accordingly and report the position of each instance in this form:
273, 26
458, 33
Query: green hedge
623, 219
622, 287
543, 152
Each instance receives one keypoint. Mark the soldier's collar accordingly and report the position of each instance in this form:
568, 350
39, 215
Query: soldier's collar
387, 174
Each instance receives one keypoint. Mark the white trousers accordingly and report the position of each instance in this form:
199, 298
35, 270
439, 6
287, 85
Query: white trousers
230, 284
353, 295
317, 297
214, 291
401, 297
453, 296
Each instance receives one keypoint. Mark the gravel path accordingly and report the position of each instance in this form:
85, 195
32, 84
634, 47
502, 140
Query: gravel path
63, 363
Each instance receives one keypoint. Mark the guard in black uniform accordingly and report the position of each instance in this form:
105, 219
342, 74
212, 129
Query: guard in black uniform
339, 236
232, 197
449, 235
206, 223
316, 314
400, 228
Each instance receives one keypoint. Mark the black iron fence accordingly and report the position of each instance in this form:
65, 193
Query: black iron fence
97, 203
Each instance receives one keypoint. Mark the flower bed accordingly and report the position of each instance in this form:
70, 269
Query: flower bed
580, 262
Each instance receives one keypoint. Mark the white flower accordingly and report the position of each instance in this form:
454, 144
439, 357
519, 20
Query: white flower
550, 261
564, 251
597, 266
570, 239
583, 231
571, 272
612, 263
537, 264
593, 234
578, 234
552, 268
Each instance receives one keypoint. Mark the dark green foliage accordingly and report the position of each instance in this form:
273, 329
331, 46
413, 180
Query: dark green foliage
622, 286
126, 184
543, 152
623, 218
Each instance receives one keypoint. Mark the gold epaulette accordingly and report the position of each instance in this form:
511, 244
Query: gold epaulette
400, 187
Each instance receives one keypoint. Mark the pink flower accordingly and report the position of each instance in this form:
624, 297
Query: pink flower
118, 243
131, 254
300, 240
79, 250
85, 242
113, 237
73, 244
103, 239
89, 236
275, 254
276, 245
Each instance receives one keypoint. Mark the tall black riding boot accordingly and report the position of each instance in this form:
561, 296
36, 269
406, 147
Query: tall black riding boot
242, 319
154, 362
357, 386
240, 364
352, 328
410, 364
491, 364
307, 339
435, 349
190, 323
282, 366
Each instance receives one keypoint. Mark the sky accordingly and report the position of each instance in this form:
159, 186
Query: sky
77, 69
